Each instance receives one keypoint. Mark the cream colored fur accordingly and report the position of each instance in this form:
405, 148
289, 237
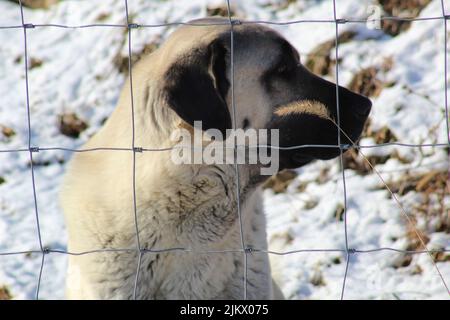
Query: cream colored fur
178, 206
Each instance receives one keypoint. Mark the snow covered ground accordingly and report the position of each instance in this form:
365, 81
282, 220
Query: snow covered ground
76, 70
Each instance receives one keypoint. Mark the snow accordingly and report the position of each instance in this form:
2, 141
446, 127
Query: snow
78, 74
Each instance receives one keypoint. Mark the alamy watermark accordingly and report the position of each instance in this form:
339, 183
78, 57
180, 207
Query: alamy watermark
374, 18
238, 146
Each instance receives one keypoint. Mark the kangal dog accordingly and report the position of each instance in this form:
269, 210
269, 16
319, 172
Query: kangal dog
194, 206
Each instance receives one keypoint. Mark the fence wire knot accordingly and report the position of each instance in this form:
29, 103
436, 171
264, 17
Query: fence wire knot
249, 249
34, 149
138, 149
341, 21
133, 25
28, 26
346, 146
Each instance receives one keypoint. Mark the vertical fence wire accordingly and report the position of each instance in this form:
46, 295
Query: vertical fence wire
30, 148
133, 147
341, 151
445, 17
236, 166
244, 250
38, 286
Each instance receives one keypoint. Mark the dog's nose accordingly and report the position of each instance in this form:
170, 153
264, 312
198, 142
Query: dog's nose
363, 106
359, 105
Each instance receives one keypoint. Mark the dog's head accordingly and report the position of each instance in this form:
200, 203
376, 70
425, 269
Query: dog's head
272, 89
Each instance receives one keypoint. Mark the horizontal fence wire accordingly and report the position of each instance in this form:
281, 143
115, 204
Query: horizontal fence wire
140, 149
248, 250
181, 23
348, 250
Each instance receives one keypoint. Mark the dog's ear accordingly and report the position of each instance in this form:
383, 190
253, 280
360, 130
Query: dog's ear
197, 85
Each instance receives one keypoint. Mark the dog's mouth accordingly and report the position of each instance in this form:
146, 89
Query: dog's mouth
323, 147
307, 132
304, 156
305, 139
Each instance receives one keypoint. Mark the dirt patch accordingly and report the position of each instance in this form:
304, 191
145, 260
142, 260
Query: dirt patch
400, 8
433, 186
18, 59
279, 182
7, 132
121, 62
284, 239
278, 5
5, 294
102, 17
380, 136
441, 256
404, 260
365, 82
354, 161
320, 61
70, 125
339, 212
317, 279
336, 260
431, 183
219, 11
35, 63
415, 244
37, 4
361, 165
324, 176
368, 80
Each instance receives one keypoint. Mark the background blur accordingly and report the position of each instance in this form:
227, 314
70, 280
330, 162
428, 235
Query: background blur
75, 77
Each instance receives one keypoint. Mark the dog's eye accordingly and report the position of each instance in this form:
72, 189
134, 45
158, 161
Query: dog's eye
282, 69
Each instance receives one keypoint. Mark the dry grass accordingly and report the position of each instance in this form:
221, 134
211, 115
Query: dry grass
70, 125
382, 135
7, 132
5, 294
121, 62
434, 187
367, 83
400, 8
320, 61
353, 161
279, 182
220, 11
368, 80
37, 4
339, 212
35, 63
317, 279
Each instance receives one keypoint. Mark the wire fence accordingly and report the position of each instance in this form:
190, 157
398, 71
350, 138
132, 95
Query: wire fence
245, 250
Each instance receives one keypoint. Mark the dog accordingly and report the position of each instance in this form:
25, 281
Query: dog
193, 207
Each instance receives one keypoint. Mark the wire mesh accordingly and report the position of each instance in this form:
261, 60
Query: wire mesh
140, 251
